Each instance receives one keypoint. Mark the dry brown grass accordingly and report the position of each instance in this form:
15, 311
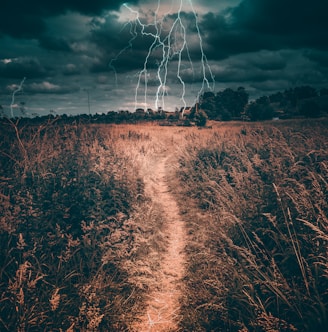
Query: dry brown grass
69, 227
258, 253
81, 238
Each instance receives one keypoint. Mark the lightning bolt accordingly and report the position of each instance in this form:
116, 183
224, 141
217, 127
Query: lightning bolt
204, 62
19, 88
172, 45
134, 35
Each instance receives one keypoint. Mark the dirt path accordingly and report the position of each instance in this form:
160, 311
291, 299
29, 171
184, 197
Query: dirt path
162, 308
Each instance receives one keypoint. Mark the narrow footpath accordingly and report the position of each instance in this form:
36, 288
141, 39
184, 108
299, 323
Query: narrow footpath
162, 306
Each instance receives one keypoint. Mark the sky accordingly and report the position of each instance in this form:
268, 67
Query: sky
75, 56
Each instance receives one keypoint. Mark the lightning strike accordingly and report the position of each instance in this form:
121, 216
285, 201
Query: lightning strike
168, 45
19, 88
134, 35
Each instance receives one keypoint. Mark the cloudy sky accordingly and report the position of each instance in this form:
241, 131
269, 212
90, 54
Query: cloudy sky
145, 53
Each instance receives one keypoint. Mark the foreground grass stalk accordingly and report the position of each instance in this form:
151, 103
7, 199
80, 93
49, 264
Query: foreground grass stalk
293, 239
58, 217
253, 183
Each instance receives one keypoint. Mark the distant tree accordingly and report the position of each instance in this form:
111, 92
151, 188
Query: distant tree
225, 104
243, 97
276, 97
264, 100
232, 101
253, 111
258, 111
294, 95
173, 117
208, 104
290, 97
310, 109
200, 118
305, 92
226, 116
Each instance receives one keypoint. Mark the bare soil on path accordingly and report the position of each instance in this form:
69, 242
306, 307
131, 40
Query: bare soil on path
162, 311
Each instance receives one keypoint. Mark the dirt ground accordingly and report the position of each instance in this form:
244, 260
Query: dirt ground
162, 305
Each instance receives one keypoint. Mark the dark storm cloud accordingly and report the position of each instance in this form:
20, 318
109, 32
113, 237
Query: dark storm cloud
46, 87
54, 43
126, 46
281, 17
124, 63
270, 70
231, 74
320, 58
223, 39
25, 19
249, 67
273, 24
66, 47
121, 47
71, 69
267, 61
22, 67
109, 35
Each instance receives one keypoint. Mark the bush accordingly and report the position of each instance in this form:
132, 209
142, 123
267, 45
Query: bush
201, 118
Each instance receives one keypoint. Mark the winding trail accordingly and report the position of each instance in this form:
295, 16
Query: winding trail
162, 306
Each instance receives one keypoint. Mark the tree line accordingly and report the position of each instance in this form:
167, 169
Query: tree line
226, 105
230, 104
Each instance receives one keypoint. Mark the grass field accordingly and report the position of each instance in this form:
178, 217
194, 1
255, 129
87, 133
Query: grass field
82, 236
258, 251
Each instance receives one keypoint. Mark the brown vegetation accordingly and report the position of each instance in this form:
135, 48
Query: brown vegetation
67, 228
86, 236
258, 251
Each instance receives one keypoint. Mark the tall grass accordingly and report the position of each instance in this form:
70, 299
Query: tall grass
259, 249
81, 236
67, 197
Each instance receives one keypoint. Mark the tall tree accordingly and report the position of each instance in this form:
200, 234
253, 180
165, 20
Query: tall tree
208, 104
225, 104
260, 109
